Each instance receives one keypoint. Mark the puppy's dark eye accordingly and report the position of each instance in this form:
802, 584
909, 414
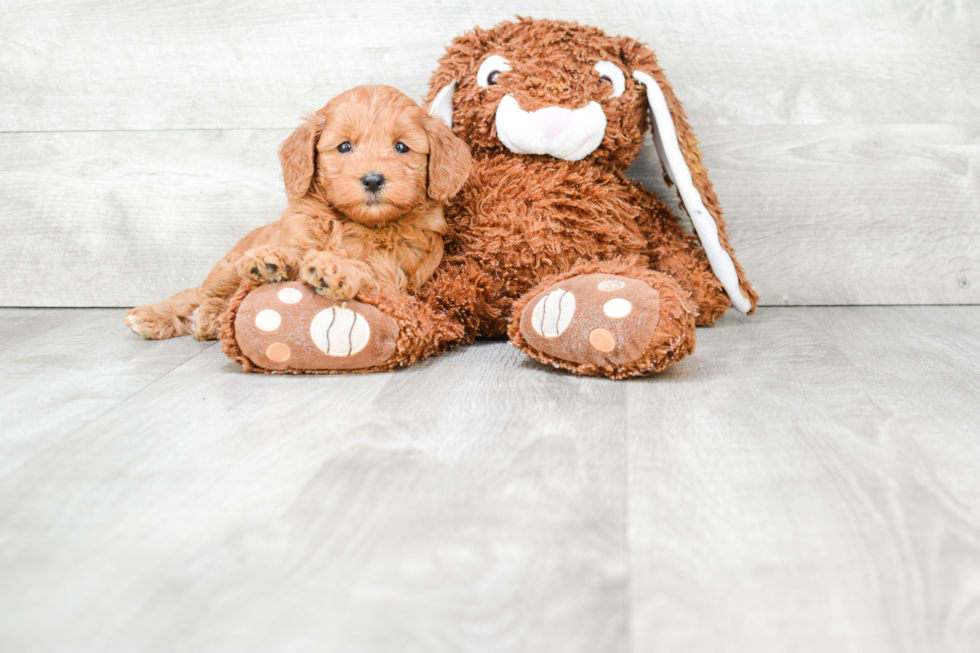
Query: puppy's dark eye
345, 147
401, 148
492, 77
605, 78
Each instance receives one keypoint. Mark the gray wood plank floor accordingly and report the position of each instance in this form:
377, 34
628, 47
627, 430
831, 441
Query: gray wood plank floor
809, 480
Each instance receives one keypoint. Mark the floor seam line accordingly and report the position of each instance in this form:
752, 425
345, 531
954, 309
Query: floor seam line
119, 403
883, 410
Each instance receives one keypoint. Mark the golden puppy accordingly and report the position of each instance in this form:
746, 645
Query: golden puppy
366, 177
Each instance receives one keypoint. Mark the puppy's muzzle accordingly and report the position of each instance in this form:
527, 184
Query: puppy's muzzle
373, 181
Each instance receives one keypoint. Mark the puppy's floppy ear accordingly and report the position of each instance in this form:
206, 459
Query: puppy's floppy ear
678, 149
298, 155
449, 160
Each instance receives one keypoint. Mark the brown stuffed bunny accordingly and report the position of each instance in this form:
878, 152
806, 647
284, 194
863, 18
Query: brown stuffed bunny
552, 244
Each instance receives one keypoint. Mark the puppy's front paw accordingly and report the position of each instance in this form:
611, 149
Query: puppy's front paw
332, 276
266, 265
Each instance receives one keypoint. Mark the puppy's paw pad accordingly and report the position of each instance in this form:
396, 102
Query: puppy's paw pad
598, 319
265, 265
330, 278
288, 326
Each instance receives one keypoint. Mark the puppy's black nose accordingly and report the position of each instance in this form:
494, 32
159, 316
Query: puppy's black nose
373, 181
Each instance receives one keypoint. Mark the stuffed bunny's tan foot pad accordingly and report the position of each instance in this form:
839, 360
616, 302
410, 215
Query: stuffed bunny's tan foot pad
597, 319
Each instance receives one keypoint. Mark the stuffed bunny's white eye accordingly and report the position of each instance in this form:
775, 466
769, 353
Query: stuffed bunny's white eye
610, 73
489, 69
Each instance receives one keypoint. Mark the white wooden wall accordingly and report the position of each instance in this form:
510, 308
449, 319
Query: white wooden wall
138, 140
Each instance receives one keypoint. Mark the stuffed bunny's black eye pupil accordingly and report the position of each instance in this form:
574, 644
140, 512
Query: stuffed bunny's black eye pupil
492, 77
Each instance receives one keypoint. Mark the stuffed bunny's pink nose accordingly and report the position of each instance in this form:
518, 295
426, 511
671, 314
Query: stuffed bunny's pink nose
552, 121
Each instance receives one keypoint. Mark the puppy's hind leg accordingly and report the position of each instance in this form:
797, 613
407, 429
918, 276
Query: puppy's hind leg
195, 311
217, 289
206, 321
168, 319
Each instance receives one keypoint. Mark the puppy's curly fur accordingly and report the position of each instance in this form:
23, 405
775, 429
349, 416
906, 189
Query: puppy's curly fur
366, 177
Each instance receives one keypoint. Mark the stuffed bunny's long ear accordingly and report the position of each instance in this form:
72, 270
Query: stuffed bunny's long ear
709, 227
442, 105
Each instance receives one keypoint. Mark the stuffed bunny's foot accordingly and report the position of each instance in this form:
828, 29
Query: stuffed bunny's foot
607, 324
287, 327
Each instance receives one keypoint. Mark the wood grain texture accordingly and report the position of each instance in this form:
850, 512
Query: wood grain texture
128, 218
436, 509
805, 481
88, 65
791, 488
881, 214
61, 372
916, 362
